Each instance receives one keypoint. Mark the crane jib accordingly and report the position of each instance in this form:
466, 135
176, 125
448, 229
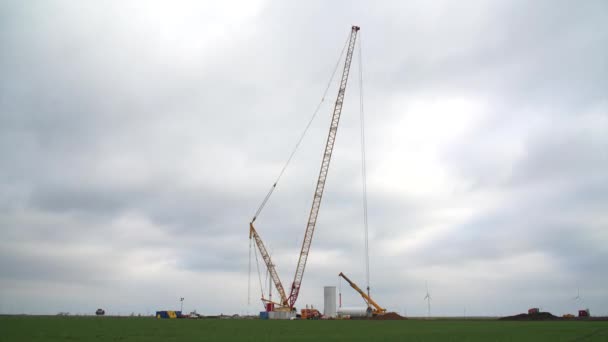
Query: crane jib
267, 260
318, 194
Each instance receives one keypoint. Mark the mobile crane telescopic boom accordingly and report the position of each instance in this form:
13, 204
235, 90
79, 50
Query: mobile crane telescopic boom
377, 310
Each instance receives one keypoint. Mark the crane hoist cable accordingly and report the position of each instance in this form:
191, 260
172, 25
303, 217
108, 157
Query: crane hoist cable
295, 149
363, 166
249, 276
257, 265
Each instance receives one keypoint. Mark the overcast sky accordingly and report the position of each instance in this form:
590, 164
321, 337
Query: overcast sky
137, 139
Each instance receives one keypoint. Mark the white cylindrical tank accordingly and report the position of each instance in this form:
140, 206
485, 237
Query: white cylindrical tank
329, 302
352, 312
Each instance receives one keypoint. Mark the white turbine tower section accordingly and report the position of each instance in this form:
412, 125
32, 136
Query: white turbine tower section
329, 303
428, 300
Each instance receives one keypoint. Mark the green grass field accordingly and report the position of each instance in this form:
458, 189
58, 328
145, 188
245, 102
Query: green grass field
149, 329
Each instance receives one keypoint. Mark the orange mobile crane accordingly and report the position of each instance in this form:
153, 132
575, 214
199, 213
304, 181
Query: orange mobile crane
287, 302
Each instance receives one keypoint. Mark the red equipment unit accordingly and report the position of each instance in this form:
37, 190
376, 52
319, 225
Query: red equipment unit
533, 311
269, 307
583, 313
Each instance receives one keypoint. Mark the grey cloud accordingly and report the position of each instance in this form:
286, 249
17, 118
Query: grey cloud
118, 138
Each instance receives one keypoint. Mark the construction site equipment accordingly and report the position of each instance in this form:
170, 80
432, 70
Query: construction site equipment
281, 314
310, 313
533, 311
168, 314
360, 312
287, 302
373, 308
583, 313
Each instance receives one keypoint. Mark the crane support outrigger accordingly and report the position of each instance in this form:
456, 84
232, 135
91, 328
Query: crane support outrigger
289, 302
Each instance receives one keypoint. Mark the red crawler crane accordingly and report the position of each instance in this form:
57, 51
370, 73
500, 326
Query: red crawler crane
289, 302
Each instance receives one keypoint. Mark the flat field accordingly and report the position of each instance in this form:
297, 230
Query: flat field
39, 328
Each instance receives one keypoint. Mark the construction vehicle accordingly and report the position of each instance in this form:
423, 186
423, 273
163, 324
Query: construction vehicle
373, 308
287, 302
310, 313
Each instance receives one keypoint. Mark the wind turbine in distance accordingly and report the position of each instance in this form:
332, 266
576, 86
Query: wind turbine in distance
578, 295
428, 300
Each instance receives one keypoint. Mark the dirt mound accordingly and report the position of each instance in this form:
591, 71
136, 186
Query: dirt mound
541, 316
389, 316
